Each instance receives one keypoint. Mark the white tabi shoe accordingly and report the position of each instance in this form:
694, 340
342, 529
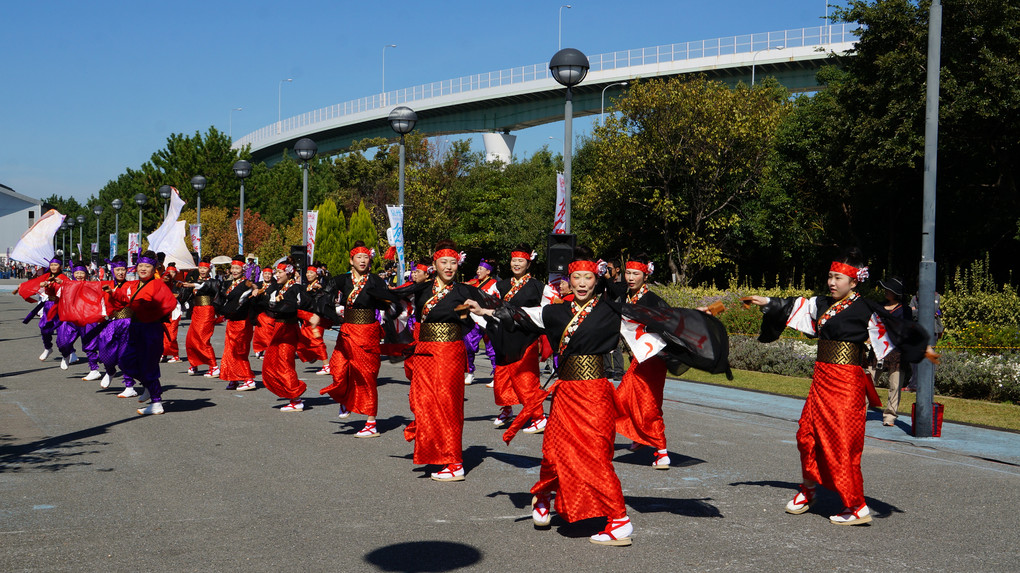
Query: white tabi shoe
294, 406
73, 358
324, 371
504, 416
802, 501
468, 378
452, 472
155, 408
536, 427
105, 382
246, 385
344, 412
144, 396
617, 532
213, 373
491, 384
128, 392
92, 375
45, 354
661, 460
541, 506
369, 431
851, 516
63, 364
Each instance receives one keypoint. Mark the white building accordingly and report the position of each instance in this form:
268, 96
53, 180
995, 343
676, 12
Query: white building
17, 214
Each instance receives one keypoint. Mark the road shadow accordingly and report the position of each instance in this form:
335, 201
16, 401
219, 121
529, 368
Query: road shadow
828, 503
685, 507
55, 453
517, 461
349, 427
192, 405
645, 457
169, 387
520, 500
23, 372
398, 381
424, 556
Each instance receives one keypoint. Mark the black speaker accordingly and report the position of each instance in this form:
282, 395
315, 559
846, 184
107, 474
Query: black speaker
299, 254
560, 252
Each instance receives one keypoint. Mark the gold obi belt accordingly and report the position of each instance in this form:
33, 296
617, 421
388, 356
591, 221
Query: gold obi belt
125, 312
359, 315
581, 367
439, 332
840, 352
203, 300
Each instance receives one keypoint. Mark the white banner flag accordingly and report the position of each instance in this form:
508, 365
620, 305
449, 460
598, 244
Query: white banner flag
95, 248
196, 239
310, 227
158, 240
113, 245
36, 244
133, 247
240, 237
560, 216
643, 344
395, 235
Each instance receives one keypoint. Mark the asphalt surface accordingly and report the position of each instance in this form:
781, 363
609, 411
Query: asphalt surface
224, 481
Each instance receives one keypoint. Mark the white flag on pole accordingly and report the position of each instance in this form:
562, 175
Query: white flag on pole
36, 244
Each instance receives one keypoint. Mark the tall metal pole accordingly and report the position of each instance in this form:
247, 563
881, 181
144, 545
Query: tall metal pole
400, 185
304, 206
97, 233
568, 127
240, 238
116, 227
926, 274
139, 226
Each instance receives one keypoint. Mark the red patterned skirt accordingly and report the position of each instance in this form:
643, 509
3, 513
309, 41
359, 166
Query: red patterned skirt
234, 365
577, 451
437, 402
640, 398
197, 345
518, 382
355, 367
831, 434
311, 347
263, 333
278, 374
170, 346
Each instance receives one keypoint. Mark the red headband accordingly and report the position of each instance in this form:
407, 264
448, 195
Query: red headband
204, 264
237, 263
270, 269
634, 265
446, 253
845, 269
313, 269
285, 267
520, 255
361, 250
590, 266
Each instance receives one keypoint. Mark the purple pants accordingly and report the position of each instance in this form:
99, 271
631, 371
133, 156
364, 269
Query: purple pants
68, 332
471, 340
141, 357
113, 341
47, 327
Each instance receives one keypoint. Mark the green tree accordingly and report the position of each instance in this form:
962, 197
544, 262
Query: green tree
331, 238
677, 163
363, 229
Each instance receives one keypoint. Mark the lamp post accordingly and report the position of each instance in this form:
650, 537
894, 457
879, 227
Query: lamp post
402, 120
755, 57
569, 67
81, 224
165, 191
230, 126
242, 169
140, 200
559, 37
279, 104
384, 71
117, 204
198, 184
63, 238
602, 113
306, 150
70, 228
98, 210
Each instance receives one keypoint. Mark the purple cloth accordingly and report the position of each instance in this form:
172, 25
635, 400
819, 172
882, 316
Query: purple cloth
90, 342
471, 340
46, 326
140, 360
67, 333
113, 341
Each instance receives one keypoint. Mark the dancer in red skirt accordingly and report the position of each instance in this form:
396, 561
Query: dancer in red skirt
311, 347
171, 348
278, 374
640, 390
203, 320
234, 303
831, 434
263, 326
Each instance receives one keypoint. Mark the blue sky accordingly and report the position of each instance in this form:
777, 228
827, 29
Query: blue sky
92, 88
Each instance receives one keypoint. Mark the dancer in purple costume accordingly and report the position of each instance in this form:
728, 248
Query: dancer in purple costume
68, 333
485, 282
113, 338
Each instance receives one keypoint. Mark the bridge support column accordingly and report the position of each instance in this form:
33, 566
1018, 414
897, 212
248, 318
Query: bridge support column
499, 146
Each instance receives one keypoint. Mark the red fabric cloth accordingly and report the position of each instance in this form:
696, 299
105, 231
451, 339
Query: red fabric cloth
278, 374
82, 302
311, 347
518, 382
150, 301
831, 433
354, 366
170, 345
577, 452
234, 365
546, 348
263, 333
30, 289
437, 403
197, 343
640, 398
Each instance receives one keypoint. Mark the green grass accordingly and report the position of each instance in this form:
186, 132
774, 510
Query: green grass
977, 412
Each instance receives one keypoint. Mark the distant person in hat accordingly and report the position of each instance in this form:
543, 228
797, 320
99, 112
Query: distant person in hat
898, 372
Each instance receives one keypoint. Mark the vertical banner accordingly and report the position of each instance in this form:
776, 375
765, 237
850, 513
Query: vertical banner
559, 218
95, 248
132, 248
80, 252
395, 235
240, 237
113, 245
310, 227
196, 239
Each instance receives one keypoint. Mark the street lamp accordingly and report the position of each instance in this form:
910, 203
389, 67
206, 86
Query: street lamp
242, 169
140, 200
117, 204
569, 67
402, 120
165, 191
230, 127
384, 71
305, 149
755, 56
603, 112
279, 103
198, 184
70, 228
98, 210
63, 238
81, 224
559, 38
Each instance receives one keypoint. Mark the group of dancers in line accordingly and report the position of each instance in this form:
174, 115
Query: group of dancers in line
428, 319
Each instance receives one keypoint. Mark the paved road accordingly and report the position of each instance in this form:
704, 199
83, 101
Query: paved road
226, 482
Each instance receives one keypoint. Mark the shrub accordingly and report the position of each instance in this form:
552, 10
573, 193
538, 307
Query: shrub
982, 338
995, 378
784, 356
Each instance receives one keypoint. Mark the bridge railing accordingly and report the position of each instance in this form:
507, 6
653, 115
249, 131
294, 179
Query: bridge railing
748, 43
